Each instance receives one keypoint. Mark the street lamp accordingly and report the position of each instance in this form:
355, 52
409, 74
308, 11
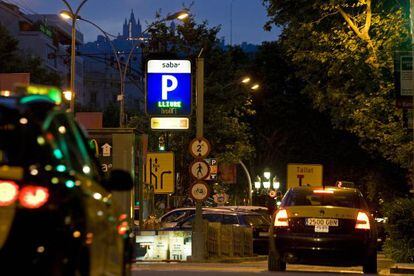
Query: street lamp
255, 87
73, 14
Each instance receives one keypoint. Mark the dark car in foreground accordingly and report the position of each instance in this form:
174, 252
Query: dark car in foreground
57, 214
258, 222
323, 226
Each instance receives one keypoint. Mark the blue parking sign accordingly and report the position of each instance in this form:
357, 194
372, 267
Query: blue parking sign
168, 88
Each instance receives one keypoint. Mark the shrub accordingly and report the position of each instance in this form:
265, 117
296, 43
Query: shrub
400, 230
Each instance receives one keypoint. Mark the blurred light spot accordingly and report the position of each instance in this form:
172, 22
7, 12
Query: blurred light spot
86, 169
34, 172
89, 238
100, 213
40, 249
48, 167
97, 196
57, 153
23, 121
55, 180
61, 168
70, 183
41, 140
76, 234
78, 183
62, 129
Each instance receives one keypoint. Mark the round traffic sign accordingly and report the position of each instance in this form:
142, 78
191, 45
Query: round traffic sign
272, 193
199, 191
199, 147
200, 169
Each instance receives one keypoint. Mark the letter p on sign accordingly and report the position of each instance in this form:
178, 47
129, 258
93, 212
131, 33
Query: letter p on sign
169, 83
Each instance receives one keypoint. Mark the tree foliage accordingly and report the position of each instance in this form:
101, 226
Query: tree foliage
343, 51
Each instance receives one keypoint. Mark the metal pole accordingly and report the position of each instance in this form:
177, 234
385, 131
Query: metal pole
198, 235
73, 65
412, 108
249, 179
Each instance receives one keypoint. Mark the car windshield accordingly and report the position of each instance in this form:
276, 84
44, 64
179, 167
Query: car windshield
176, 216
307, 197
21, 140
254, 220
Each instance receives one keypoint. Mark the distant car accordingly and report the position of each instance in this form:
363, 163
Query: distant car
171, 218
258, 222
324, 226
257, 209
56, 212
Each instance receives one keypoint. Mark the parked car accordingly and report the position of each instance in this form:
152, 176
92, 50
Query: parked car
171, 218
258, 222
324, 226
56, 212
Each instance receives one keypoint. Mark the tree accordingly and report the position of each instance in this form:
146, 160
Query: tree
12, 61
343, 51
289, 130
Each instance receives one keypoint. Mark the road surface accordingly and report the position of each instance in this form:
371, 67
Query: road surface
246, 268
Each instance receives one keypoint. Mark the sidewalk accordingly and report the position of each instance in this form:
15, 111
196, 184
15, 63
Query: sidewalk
402, 268
211, 260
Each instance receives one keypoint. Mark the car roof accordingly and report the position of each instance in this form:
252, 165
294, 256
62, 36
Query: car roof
330, 188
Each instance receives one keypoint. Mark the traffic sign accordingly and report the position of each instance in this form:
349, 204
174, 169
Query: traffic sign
199, 147
304, 174
199, 169
272, 193
212, 162
221, 198
159, 172
168, 88
199, 191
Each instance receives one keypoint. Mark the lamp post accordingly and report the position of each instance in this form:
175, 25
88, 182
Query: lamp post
267, 184
73, 15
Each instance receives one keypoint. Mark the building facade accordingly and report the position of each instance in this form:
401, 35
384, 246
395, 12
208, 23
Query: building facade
46, 37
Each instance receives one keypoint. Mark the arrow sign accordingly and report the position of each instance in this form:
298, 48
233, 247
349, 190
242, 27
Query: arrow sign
106, 149
199, 169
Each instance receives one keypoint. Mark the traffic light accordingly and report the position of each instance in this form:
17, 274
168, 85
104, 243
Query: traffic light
161, 143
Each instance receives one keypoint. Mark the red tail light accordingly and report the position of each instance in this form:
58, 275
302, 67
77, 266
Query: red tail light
33, 196
281, 219
8, 192
362, 221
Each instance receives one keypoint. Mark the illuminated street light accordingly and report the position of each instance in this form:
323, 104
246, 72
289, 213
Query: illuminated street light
258, 183
65, 15
266, 174
246, 80
255, 87
67, 95
276, 183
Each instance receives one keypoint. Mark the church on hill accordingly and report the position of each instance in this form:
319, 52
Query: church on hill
131, 28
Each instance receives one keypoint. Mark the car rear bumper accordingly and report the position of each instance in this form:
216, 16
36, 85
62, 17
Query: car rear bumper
324, 249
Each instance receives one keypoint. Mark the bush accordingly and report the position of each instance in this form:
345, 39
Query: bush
400, 230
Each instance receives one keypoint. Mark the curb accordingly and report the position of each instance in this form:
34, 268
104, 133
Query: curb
402, 269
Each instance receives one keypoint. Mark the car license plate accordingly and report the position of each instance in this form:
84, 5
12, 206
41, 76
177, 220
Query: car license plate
322, 228
321, 222
264, 234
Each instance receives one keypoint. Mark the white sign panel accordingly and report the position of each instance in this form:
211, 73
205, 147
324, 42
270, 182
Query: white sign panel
165, 123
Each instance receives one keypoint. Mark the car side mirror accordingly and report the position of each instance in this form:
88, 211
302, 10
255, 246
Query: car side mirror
119, 180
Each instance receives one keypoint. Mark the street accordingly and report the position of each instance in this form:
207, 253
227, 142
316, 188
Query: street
247, 268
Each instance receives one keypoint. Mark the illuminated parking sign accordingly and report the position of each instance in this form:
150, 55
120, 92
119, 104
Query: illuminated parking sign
169, 87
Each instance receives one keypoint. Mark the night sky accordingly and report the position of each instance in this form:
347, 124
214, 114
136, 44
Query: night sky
249, 16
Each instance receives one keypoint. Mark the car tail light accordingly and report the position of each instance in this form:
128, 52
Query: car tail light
33, 196
362, 221
8, 192
281, 218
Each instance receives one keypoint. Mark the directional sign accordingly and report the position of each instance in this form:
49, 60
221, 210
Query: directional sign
304, 174
159, 172
169, 87
106, 149
199, 147
199, 191
213, 168
199, 169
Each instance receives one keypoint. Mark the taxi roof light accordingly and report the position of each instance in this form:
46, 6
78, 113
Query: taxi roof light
281, 218
39, 92
362, 221
323, 191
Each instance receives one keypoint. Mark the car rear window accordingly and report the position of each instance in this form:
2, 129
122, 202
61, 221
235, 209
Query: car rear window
255, 220
177, 216
307, 197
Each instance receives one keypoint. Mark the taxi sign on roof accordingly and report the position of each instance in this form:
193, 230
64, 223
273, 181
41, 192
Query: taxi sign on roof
304, 175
